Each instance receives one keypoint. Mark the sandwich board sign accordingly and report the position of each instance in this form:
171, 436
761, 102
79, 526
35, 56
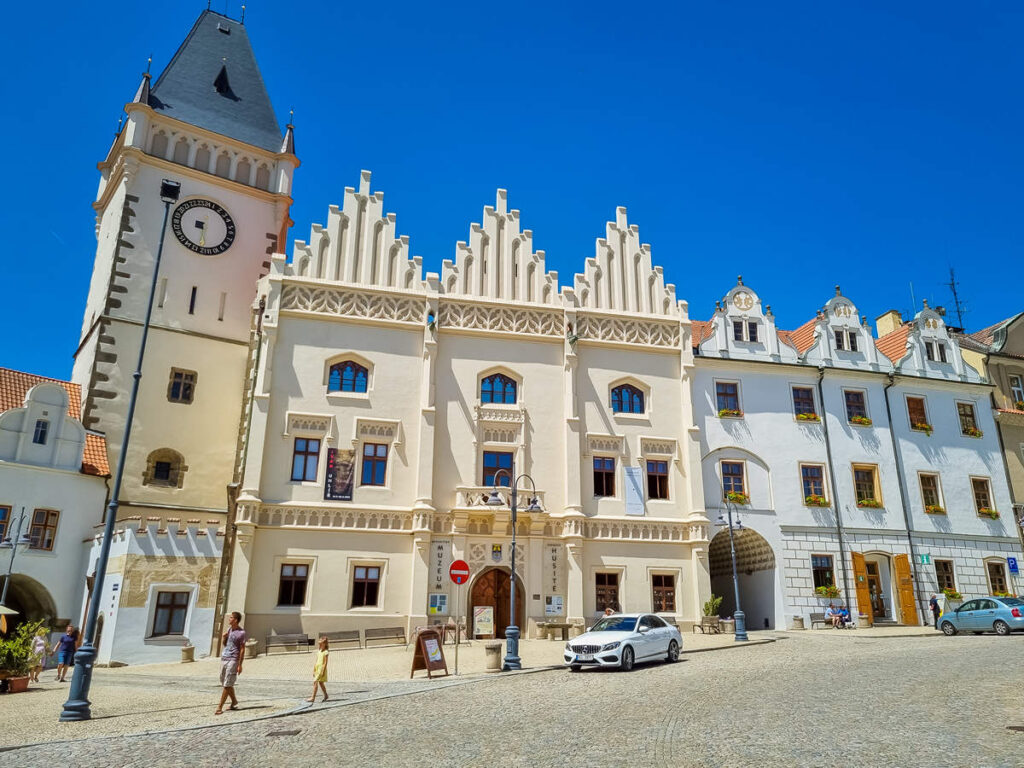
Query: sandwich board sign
428, 654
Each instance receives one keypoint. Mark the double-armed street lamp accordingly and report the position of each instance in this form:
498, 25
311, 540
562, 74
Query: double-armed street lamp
12, 543
77, 705
512, 660
738, 616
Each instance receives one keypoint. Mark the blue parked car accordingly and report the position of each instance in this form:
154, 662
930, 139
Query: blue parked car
1001, 615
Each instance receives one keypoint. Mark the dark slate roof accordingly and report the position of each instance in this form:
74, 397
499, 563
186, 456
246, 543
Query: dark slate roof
213, 82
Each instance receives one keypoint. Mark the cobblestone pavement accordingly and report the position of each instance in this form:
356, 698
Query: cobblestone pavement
816, 698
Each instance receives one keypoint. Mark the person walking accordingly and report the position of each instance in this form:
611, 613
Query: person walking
231, 660
65, 649
934, 604
38, 659
320, 668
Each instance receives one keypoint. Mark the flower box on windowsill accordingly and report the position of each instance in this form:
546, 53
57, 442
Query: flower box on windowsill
869, 504
730, 413
922, 427
830, 591
952, 594
1019, 405
860, 421
813, 418
973, 432
934, 509
737, 498
815, 501
990, 513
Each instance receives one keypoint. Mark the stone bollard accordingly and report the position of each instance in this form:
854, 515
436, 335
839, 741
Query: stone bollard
250, 648
188, 653
492, 654
798, 622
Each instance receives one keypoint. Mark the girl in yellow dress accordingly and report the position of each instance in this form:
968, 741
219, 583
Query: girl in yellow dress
320, 669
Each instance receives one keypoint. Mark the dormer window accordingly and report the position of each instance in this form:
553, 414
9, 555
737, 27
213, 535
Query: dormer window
846, 340
935, 351
744, 331
942, 351
41, 431
737, 330
751, 331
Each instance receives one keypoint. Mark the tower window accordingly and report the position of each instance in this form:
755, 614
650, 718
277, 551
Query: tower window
181, 387
192, 301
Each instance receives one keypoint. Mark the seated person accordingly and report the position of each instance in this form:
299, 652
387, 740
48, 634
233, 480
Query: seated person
832, 616
844, 617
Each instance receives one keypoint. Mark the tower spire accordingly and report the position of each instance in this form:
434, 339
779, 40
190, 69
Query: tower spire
288, 144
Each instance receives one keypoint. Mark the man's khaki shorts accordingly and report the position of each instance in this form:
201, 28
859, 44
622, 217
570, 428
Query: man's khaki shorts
228, 672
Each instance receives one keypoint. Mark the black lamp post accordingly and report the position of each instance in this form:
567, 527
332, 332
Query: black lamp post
738, 616
12, 543
77, 705
512, 660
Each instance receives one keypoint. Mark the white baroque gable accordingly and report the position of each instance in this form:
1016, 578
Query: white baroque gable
841, 315
65, 440
743, 305
928, 327
359, 245
499, 262
621, 277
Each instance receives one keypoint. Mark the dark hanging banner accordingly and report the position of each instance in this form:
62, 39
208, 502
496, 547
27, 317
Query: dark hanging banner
340, 470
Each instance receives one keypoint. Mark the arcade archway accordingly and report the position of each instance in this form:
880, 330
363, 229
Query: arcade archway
31, 600
492, 588
755, 567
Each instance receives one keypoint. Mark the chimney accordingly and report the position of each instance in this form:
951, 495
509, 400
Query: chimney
888, 322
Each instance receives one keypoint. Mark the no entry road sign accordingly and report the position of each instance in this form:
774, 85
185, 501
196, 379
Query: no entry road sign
459, 571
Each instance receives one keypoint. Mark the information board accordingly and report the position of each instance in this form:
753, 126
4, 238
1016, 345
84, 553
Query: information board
483, 621
634, 491
339, 475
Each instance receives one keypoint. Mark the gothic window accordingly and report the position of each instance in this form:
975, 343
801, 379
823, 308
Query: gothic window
181, 151
203, 159
242, 171
263, 177
159, 146
498, 388
627, 399
223, 165
165, 467
348, 376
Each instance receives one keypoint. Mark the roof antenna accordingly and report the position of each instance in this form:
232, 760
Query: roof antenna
957, 304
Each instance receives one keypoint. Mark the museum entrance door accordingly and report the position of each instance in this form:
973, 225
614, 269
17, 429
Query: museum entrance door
492, 588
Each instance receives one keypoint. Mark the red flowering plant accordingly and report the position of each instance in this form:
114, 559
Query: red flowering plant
973, 432
934, 509
923, 427
860, 421
989, 512
869, 504
814, 500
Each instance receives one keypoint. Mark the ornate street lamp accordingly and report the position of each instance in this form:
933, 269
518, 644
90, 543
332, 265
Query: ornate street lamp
738, 616
512, 660
12, 543
77, 705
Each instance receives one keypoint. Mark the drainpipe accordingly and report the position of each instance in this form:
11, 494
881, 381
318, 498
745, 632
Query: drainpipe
903, 497
835, 490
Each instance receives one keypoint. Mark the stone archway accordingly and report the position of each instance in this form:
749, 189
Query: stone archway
31, 600
492, 588
756, 571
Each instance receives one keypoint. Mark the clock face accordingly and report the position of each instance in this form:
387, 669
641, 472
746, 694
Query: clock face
203, 226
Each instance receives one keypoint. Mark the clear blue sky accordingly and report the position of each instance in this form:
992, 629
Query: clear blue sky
802, 145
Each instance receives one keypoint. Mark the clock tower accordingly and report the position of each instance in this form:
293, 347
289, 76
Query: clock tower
208, 124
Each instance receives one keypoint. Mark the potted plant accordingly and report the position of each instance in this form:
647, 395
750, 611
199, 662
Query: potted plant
711, 606
1019, 405
990, 513
16, 655
869, 504
808, 417
860, 421
973, 432
934, 509
730, 413
738, 497
814, 500
829, 591
922, 426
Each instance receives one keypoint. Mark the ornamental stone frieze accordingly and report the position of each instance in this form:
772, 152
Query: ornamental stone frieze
512, 320
623, 330
348, 302
292, 517
644, 531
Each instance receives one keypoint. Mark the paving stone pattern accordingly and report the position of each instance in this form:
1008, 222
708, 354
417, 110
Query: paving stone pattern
812, 698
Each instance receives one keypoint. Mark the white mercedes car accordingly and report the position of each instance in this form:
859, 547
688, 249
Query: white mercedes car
623, 639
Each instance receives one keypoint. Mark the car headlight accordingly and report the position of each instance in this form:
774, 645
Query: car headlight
610, 646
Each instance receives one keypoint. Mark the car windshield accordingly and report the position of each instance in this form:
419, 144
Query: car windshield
615, 624
1011, 601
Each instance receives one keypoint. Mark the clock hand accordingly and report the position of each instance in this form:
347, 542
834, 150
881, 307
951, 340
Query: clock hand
201, 226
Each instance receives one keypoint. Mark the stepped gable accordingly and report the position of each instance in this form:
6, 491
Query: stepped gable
498, 261
213, 82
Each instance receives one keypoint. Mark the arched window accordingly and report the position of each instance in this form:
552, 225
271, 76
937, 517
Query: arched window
165, 467
263, 177
627, 399
347, 377
498, 388
181, 151
223, 168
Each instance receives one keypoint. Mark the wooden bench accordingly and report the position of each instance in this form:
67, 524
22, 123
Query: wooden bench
819, 618
297, 638
709, 625
384, 633
344, 636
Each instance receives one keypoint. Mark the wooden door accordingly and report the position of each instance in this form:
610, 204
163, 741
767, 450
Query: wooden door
493, 588
860, 579
905, 590
875, 591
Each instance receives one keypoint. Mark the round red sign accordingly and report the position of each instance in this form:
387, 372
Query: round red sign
459, 571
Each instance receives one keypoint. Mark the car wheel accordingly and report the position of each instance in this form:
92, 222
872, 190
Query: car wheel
1001, 627
673, 652
626, 661
948, 628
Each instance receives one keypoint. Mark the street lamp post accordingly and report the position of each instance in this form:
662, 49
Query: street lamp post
512, 660
12, 543
738, 616
77, 705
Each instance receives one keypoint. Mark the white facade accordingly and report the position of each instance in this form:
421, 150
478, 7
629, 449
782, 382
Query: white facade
775, 447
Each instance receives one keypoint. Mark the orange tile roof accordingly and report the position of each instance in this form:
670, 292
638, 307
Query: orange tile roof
987, 335
786, 337
14, 385
803, 337
894, 344
701, 329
